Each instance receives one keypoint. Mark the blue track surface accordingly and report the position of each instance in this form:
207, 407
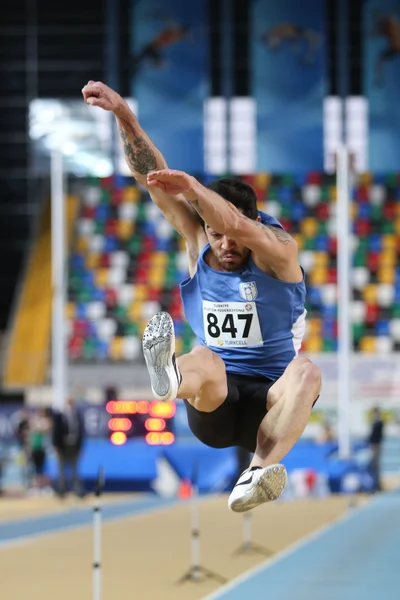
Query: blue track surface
356, 559
22, 528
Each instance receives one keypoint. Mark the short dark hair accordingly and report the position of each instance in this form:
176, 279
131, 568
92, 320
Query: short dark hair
237, 192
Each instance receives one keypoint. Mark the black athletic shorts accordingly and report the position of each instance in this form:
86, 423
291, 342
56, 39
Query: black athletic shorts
236, 421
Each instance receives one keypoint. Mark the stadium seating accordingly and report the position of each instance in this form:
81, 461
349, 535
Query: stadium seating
126, 263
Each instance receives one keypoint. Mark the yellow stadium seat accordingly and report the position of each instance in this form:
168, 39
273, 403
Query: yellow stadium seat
82, 244
141, 292
157, 280
92, 260
262, 180
332, 193
388, 258
131, 194
124, 229
314, 344
299, 240
397, 223
318, 276
365, 179
388, 241
313, 327
116, 348
157, 284
369, 294
178, 346
157, 271
368, 344
101, 277
70, 310
142, 327
159, 259
321, 259
309, 226
135, 310
386, 274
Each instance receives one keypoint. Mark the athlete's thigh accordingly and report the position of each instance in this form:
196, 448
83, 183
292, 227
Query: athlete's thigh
252, 410
216, 428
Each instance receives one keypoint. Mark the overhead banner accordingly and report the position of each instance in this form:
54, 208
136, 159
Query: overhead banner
381, 26
289, 82
170, 77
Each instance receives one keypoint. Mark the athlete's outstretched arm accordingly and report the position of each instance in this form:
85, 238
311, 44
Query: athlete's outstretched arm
271, 245
143, 157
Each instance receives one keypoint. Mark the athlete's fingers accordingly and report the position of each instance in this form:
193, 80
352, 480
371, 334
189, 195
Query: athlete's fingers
158, 184
93, 89
176, 177
90, 93
158, 174
95, 101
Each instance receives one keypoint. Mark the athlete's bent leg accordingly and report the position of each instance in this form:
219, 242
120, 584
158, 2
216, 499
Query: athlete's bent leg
198, 376
203, 382
289, 404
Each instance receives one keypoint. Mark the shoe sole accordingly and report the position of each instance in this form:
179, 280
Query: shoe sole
269, 487
159, 352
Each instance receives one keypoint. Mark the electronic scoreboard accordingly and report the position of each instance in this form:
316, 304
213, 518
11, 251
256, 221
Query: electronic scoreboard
152, 421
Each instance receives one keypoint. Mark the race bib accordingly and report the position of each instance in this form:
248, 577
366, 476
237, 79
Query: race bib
231, 324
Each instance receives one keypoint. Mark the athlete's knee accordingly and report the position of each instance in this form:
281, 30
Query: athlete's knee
308, 376
208, 362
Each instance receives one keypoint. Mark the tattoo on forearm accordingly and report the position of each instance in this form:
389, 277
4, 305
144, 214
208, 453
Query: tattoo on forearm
283, 236
139, 154
196, 205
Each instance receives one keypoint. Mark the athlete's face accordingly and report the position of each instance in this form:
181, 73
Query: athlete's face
229, 255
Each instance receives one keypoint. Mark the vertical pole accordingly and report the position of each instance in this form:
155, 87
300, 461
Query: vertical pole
97, 536
112, 69
226, 41
32, 85
247, 532
195, 534
344, 295
342, 29
343, 236
58, 281
97, 550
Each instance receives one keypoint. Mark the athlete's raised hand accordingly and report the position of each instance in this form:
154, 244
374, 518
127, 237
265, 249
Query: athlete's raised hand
97, 93
171, 182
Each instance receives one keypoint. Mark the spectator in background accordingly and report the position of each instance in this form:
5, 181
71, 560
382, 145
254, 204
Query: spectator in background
68, 434
326, 435
22, 435
39, 430
375, 443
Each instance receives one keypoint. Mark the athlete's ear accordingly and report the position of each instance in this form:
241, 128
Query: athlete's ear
258, 218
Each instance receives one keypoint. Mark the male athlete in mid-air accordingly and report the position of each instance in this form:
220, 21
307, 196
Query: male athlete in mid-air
243, 384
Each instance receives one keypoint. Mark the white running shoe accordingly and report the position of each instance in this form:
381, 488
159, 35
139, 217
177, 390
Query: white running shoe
159, 353
256, 486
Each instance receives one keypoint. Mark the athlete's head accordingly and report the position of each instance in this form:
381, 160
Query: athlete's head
231, 255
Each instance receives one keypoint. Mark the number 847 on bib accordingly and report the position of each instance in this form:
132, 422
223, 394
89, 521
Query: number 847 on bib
230, 324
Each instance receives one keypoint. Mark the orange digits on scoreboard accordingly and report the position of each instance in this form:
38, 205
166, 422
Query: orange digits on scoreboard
158, 412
